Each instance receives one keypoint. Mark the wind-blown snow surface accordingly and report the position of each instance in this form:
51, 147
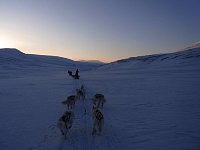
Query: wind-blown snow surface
153, 102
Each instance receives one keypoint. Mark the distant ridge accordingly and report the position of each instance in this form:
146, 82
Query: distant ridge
192, 51
93, 61
189, 56
11, 58
195, 45
12, 51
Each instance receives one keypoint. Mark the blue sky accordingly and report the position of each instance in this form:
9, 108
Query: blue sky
106, 30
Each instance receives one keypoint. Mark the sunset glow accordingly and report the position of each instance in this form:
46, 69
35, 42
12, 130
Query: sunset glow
4, 43
99, 30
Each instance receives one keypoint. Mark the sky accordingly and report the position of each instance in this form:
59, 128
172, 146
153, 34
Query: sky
105, 30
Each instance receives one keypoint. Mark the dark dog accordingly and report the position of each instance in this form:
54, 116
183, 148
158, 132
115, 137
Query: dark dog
70, 102
99, 100
80, 93
65, 122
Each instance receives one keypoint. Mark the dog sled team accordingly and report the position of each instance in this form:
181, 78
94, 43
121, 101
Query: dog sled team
65, 122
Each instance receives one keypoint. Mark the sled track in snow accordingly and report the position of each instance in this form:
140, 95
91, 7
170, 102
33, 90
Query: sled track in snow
45, 138
113, 142
108, 140
69, 139
51, 136
112, 138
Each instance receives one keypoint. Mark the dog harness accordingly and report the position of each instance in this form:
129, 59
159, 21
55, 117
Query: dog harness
99, 115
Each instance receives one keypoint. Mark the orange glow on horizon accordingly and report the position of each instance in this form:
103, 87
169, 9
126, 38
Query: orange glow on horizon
66, 52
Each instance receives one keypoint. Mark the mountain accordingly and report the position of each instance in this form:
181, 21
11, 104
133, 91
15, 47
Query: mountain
195, 45
152, 102
10, 56
17, 62
13, 60
93, 61
15, 57
190, 56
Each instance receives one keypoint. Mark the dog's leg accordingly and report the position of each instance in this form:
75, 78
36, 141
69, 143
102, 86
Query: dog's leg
93, 131
98, 127
102, 103
94, 128
62, 131
66, 133
101, 124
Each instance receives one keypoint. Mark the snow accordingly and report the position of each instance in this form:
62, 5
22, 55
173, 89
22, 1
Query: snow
151, 104
14, 63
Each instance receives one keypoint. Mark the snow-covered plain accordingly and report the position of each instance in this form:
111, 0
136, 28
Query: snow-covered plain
153, 102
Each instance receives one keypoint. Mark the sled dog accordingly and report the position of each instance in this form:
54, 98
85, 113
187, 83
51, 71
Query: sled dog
70, 102
80, 94
65, 122
99, 100
98, 121
83, 89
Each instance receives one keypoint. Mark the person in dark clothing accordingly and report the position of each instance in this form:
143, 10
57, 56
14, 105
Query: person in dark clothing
76, 74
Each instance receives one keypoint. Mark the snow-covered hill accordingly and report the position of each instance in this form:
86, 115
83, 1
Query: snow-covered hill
14, 62
196, 45
178, 59
153, 102
16, 57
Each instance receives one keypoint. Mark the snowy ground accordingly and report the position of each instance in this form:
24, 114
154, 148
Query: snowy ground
147, 108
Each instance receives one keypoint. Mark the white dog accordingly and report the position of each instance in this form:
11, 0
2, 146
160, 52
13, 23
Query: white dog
65, 122
70, 102
98, 121
99, 100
